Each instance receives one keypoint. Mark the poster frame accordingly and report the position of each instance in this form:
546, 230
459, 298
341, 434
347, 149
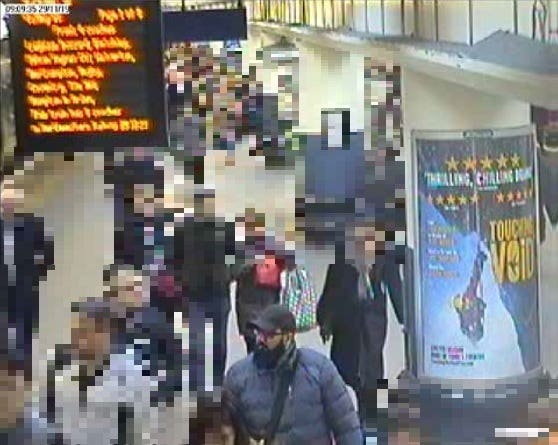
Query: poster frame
418, 334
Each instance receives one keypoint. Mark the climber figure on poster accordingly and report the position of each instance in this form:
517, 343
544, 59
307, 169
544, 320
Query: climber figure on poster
469, 306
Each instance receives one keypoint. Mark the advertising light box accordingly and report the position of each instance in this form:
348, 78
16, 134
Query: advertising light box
89, 79
477, 274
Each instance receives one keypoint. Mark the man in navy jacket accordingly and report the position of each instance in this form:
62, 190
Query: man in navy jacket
27, 254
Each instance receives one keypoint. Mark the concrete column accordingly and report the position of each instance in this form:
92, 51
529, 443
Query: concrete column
330, 79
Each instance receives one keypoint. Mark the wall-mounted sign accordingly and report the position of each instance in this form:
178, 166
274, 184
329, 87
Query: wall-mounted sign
89, 79
476, 258
336, 128
203, 25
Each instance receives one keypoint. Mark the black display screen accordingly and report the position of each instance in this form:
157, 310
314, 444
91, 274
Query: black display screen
90, 79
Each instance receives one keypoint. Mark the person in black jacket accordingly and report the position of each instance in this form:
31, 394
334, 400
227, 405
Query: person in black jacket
204, 251
251, 300
353, 312
20, 423
140, 239
27, 255
251, 297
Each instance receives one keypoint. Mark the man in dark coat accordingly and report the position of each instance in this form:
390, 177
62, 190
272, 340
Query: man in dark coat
19, 421
140, 239
27, 254
252, 298
353, 311
139, 211
204, 251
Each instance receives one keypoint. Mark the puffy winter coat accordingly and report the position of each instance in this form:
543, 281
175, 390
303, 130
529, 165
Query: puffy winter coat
318, 409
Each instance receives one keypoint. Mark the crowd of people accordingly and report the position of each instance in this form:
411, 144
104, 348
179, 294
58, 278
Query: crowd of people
129, 375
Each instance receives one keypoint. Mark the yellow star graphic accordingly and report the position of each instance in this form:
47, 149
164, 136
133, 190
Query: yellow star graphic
510, 196
519, 195
470, 164
486, 163
452, 164
440, 199
500, 197
450, 200
475, 198
463, 200
515, 161
502, 162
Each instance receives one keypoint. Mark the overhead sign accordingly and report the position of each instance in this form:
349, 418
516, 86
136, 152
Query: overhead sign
90, 79
476, 265
205, 25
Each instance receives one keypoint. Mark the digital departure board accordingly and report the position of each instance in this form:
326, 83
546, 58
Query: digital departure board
90, 79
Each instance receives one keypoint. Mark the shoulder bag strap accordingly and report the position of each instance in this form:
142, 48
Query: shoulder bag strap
279, 403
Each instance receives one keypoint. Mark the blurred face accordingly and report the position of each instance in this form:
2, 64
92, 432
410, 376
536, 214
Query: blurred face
130, 289
10, 198
404, 438
90, 338
176, 75
145, 200
204, 206
254, 226
365, 244
12, 397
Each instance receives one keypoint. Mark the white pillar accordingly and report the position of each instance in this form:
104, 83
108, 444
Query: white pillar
330, 79
311, 89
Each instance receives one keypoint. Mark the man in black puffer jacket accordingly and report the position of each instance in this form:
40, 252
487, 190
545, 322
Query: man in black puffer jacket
318, 408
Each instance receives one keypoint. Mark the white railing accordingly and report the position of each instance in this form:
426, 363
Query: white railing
188, 5
460, 21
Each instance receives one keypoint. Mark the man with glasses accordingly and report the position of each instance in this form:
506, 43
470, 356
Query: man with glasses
290, 395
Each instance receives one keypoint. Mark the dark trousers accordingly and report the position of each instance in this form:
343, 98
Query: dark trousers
367, 400
217, 312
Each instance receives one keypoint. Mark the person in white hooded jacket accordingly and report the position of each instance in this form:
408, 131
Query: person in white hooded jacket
105, 394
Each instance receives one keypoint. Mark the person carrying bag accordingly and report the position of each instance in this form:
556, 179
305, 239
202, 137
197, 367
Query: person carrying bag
288, 395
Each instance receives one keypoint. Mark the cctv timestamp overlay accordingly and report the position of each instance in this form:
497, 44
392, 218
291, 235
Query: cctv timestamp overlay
90, 77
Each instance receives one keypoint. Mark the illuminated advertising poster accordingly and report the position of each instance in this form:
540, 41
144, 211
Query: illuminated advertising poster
92, 78
477, 254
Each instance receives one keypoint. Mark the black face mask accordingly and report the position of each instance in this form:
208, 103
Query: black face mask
268, 358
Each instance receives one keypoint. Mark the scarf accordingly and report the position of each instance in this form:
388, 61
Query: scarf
365, 289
